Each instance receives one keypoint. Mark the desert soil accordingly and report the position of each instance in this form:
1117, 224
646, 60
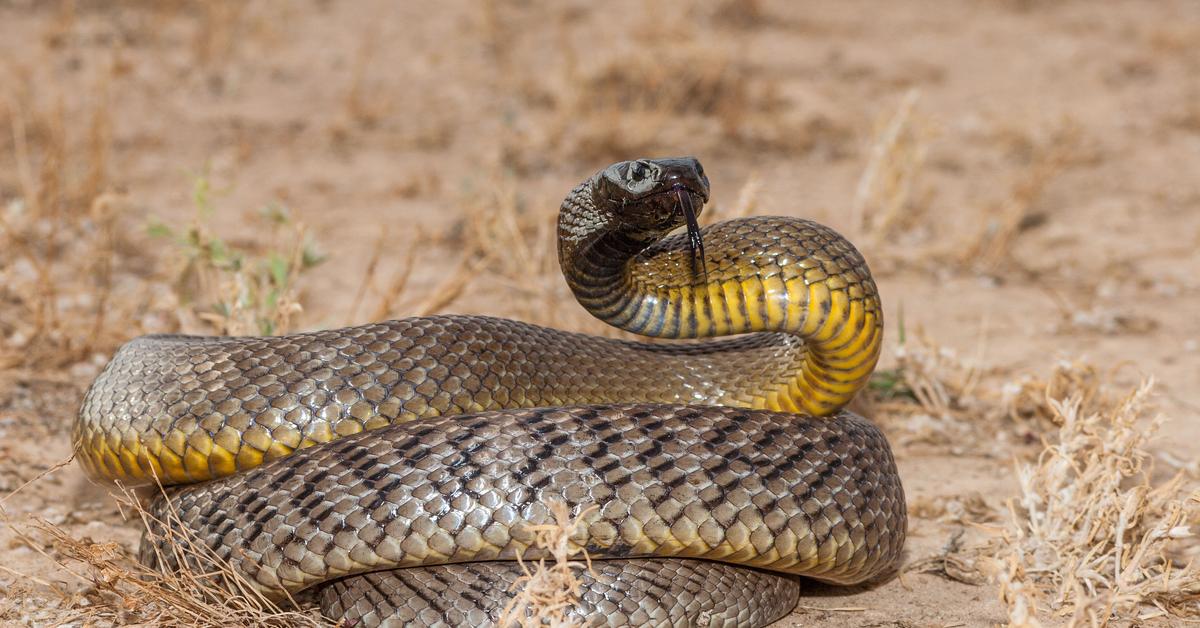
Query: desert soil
1052, 212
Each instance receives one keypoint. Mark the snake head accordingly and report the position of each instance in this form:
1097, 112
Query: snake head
650, 197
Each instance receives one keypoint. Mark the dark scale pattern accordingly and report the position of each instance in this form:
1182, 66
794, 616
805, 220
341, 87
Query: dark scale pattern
654, 593
781, 490
813, 497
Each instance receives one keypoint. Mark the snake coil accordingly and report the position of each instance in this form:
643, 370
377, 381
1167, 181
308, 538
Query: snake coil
399, 468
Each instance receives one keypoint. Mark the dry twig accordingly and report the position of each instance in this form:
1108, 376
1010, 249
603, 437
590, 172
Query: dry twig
548, 591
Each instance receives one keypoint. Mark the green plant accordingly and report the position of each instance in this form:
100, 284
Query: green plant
238, 290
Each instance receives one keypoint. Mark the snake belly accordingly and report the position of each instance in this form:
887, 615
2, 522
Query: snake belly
389, 465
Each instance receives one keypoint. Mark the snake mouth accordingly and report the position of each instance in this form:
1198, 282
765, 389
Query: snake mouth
671, 193
680, 204
673, 203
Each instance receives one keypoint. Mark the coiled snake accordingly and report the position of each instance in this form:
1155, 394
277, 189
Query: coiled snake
399, 465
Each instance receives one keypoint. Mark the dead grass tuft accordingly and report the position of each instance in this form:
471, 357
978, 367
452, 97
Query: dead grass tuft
510, 236
1027, 400
889, 215
217, 32
499, 237
1093, 536
688, 81
972, 508
387, 297
514, 238
887, 199
362, 107
1100, 319
635, 103
991, 249
548, 592
955, 561
934, 396
122, 591
67, 253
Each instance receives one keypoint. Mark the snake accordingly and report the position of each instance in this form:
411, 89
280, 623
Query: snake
397, 472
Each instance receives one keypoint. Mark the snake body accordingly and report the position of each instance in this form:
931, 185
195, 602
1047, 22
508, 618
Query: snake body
413, 451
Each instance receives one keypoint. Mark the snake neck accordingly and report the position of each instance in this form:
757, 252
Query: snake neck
593, 252
765, 274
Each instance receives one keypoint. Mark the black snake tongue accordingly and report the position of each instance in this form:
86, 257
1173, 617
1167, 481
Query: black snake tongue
695, 241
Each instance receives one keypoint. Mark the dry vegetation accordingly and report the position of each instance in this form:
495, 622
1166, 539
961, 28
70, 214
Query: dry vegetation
1094, 533
1062, 231
122, 591
232, 290
546, 593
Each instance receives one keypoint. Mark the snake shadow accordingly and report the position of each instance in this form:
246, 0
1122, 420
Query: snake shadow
810, 588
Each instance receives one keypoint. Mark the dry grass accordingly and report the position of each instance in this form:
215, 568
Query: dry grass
121, 591
501, 238
993, 248
932, 396
218, 33
894, 215
362, 105
1026, 400
740, 13
888, 199
642, 102
547, 592
1094, 536
1102, 320
512, 236
386, 297
696, 96
936, 396
508, 237
63, 236
76, 281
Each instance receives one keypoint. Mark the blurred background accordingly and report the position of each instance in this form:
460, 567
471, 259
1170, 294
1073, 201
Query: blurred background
1022, 176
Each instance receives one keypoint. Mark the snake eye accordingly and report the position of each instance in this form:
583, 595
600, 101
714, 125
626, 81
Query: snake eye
638, 171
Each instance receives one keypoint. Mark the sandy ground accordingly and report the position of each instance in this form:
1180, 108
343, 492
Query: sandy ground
1078, 125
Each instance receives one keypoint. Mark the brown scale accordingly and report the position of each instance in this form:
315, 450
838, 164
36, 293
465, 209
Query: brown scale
791, 492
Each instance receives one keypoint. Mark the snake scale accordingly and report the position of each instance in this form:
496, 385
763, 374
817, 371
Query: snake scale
397, 469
